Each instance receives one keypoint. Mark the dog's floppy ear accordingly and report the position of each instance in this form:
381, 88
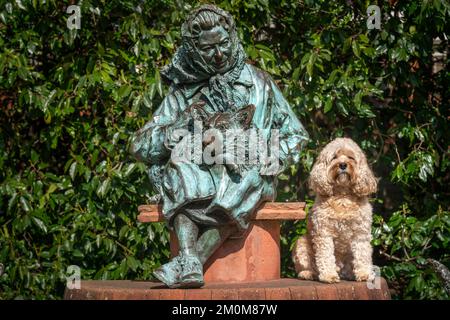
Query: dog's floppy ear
318, 178
365, 183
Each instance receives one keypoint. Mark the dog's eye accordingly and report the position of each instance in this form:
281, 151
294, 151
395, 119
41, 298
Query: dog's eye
351, 158
335, 157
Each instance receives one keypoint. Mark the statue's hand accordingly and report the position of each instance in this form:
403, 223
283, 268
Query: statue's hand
155, 174
196, 111
177, 130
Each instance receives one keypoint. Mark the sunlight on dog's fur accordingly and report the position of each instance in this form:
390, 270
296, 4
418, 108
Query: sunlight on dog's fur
337, 243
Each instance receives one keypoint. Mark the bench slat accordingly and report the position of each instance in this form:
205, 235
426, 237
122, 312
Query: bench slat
267, 211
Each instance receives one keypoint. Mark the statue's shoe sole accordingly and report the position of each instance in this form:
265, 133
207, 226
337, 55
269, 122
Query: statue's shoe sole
185, 284
188, 285
194, 280
161, 277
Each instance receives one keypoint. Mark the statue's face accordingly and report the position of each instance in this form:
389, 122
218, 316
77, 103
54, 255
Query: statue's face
215, 47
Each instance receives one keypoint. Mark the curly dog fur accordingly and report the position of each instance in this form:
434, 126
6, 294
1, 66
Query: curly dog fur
337, 243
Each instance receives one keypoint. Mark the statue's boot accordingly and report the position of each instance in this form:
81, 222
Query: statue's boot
181, 272
169, 273
192, 272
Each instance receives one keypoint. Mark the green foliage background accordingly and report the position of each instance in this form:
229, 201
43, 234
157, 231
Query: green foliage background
70, 100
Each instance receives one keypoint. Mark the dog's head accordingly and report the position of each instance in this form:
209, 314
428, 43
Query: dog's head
342, 168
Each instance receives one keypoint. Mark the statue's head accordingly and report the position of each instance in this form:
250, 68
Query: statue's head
209, 34
210, 49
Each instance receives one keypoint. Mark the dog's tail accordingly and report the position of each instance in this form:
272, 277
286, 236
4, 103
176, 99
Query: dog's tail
304, 258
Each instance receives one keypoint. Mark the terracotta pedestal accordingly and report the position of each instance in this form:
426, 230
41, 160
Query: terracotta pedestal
254, 257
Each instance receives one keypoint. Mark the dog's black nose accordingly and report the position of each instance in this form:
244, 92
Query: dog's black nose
342, 166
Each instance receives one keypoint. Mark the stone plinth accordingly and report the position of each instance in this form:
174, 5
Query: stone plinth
281, 289
255, 256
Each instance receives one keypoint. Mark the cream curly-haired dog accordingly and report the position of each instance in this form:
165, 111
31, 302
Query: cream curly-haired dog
337, 243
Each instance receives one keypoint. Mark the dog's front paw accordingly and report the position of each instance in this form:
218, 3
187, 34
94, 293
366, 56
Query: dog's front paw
306, 275
329, 277
363, 275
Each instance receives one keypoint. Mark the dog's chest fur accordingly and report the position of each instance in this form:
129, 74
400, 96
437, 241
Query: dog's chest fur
341, 215
344, 207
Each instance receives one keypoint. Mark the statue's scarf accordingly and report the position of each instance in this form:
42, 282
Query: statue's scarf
188, 67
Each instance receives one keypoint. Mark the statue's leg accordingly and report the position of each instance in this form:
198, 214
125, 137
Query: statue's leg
178, 270
211, 240
187, 234
191, 275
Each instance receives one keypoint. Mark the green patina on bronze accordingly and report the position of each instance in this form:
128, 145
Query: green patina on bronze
205, 204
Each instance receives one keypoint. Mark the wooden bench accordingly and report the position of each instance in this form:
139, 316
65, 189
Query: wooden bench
255, 256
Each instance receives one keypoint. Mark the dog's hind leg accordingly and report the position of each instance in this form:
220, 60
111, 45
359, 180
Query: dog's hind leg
303, 258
